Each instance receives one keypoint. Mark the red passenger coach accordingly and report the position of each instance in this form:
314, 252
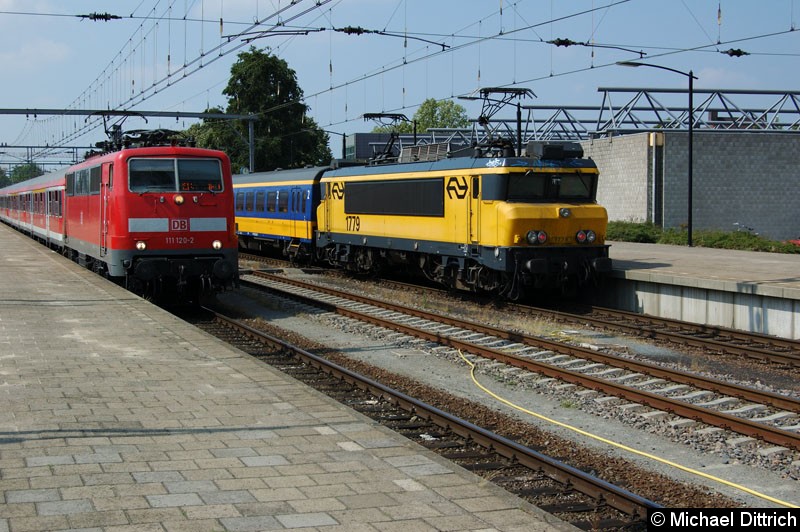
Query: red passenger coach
159, 219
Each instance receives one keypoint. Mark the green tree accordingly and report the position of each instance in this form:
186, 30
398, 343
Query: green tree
431, 113
285, 137
4, 179
26, 171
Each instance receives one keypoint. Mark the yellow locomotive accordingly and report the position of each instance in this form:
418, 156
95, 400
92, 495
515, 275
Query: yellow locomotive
501, 224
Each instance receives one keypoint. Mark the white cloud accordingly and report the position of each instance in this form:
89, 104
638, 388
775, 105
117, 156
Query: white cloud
33, 55
725, 78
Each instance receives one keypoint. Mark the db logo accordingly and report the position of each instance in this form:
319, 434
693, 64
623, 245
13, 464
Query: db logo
179, 224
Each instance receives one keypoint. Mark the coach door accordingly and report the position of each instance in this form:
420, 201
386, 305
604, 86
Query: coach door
296, 214
107, 178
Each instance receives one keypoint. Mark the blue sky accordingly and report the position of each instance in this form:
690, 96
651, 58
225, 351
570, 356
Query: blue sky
52, 61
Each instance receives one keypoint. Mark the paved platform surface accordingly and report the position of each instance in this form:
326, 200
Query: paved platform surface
767, 274
116, 416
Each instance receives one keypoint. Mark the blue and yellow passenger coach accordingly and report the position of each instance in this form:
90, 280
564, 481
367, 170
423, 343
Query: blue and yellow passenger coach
276, 211
505, 225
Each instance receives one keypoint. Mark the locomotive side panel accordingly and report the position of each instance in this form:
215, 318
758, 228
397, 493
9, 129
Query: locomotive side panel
498, 225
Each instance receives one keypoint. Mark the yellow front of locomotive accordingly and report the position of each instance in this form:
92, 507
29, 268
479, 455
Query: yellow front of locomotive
544, 222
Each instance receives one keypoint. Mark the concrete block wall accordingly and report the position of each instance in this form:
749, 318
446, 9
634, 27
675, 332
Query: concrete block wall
750, 178
624, 183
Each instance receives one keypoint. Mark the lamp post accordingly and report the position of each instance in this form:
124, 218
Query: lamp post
691, 77
343, 135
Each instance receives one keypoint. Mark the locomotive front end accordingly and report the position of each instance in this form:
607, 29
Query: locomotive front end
550, 226
175, 229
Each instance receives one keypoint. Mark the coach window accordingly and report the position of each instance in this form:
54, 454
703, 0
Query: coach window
260, 201
55, 202
249, 197
272, 200
240, 201
283, 201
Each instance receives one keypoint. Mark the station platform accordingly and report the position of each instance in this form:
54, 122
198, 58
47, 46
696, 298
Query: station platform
751, 291
117, 416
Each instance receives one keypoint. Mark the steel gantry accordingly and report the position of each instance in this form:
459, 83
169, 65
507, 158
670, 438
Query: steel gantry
39, 152
634, 110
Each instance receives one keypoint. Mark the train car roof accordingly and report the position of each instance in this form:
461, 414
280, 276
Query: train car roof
35, 183
460, 163
298, 175
53, 178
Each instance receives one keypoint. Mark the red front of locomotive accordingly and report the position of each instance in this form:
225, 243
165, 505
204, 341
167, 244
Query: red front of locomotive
170, 219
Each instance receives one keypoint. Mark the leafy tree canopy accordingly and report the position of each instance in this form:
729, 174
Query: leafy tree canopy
264, 85
431, 113
25, 171
4, 179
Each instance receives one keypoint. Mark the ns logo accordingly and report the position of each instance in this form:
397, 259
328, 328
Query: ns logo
457, 187
337, 190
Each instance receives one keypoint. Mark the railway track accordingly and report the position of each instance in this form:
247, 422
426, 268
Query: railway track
769, 349
762, 347
573, 495
751, 412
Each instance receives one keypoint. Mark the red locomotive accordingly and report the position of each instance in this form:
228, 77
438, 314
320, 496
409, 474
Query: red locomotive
157, 218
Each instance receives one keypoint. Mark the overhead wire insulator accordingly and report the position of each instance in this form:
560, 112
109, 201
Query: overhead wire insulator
354, 30
563, 42
735, 52
99, 16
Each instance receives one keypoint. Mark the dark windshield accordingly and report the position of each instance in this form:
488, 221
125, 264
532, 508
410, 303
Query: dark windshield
537, 187
174, 175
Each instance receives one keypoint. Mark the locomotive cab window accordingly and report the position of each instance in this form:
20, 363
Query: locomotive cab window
174, 175
199, 175
539, 186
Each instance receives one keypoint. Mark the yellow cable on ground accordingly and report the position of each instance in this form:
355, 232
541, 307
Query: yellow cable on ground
619, 445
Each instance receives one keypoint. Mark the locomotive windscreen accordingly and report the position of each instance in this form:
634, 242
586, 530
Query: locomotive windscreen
539, 186
174, 175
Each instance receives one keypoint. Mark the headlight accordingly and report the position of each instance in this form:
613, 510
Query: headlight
179, 200
141, 245
590, 236
216, 244
536, 237
564, 212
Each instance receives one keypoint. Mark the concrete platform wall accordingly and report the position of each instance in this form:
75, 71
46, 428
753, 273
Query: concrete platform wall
753, 312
